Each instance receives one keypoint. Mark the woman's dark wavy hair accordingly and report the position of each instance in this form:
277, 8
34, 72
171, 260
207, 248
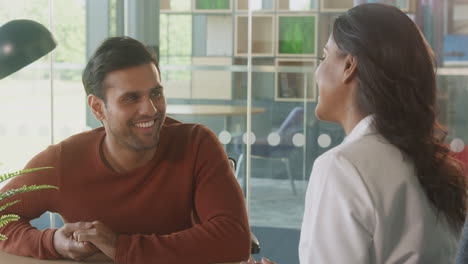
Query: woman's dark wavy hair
396, 80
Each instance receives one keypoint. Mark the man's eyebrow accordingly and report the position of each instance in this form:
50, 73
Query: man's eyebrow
129, 94
157, 87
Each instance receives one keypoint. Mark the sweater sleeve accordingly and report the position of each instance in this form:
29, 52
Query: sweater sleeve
222, 234
23, 239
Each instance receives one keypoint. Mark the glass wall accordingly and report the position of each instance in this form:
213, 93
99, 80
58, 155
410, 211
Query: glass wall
217, 54
248, 74
44, 102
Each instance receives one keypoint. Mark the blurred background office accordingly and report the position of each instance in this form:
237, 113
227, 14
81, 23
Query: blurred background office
248, 74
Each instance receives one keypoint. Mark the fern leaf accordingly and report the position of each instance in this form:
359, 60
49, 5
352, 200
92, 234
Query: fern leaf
25, 189
10, 175
5, 219
5, 206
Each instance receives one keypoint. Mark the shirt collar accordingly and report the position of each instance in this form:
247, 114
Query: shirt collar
362, 128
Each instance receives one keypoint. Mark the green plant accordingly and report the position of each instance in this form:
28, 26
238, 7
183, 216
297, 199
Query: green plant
297, 35
212, 4
5, 219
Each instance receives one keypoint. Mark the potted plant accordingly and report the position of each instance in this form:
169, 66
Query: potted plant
7, 218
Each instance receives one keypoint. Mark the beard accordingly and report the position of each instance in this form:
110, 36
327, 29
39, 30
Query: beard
135, 141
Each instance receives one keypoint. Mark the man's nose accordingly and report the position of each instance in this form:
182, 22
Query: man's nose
149, 107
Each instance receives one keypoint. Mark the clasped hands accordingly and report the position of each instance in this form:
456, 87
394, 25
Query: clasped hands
81, 240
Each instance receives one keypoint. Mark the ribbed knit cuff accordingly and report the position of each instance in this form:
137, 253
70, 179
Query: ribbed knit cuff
48, 240
121, 250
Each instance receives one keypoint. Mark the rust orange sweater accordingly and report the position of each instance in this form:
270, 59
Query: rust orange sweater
151, 208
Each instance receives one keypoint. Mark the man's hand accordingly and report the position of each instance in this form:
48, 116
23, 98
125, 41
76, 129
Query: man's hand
70, 248
101, 236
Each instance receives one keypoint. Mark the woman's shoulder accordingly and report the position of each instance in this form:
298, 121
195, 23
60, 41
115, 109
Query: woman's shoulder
368, 147
374, 159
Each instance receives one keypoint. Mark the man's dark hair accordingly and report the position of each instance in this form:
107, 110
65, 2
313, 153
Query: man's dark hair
114, 54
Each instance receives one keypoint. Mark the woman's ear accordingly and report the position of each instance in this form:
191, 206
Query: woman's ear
96, 105
350, 69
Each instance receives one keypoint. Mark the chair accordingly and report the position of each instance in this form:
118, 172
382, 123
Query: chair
260, 149
255, 245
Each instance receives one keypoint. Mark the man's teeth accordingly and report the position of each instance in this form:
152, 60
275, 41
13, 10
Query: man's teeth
145, 124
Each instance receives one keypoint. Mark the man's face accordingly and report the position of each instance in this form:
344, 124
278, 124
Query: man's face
134, 108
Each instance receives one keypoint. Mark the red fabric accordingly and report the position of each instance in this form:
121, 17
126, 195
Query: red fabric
150, 208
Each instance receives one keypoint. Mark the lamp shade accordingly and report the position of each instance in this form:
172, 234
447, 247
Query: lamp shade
22, 42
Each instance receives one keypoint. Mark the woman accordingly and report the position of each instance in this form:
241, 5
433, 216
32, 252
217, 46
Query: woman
389, 193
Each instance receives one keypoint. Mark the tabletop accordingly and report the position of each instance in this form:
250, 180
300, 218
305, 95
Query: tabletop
12, 259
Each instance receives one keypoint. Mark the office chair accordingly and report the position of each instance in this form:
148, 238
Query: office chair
260, 149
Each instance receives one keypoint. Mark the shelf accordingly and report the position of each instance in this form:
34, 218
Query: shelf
292, 40
297, 5
336, 5
168, 6
257, 5
205, 82
456, 50
457, 21
262, 35
326, 21
295, 86
408, 6
176, 83
262, 84
213, 35
212, 6
257, 61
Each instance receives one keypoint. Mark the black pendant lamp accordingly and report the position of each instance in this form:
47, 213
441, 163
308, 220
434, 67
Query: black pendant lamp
22, 42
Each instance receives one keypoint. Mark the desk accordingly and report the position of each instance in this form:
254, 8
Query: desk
211, 110
12, 259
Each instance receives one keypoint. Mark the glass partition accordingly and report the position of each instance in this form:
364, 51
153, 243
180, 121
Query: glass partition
247, 72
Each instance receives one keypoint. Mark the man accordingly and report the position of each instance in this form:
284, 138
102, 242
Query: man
144, 188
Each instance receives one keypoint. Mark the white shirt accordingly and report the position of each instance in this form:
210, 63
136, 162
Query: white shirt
364, 204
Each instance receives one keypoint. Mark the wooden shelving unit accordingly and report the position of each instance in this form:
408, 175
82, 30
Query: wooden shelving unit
257, 5
212, 6
175, 6
284, 33
211, 84
296, 6
295, 86
263, 35
336, 5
